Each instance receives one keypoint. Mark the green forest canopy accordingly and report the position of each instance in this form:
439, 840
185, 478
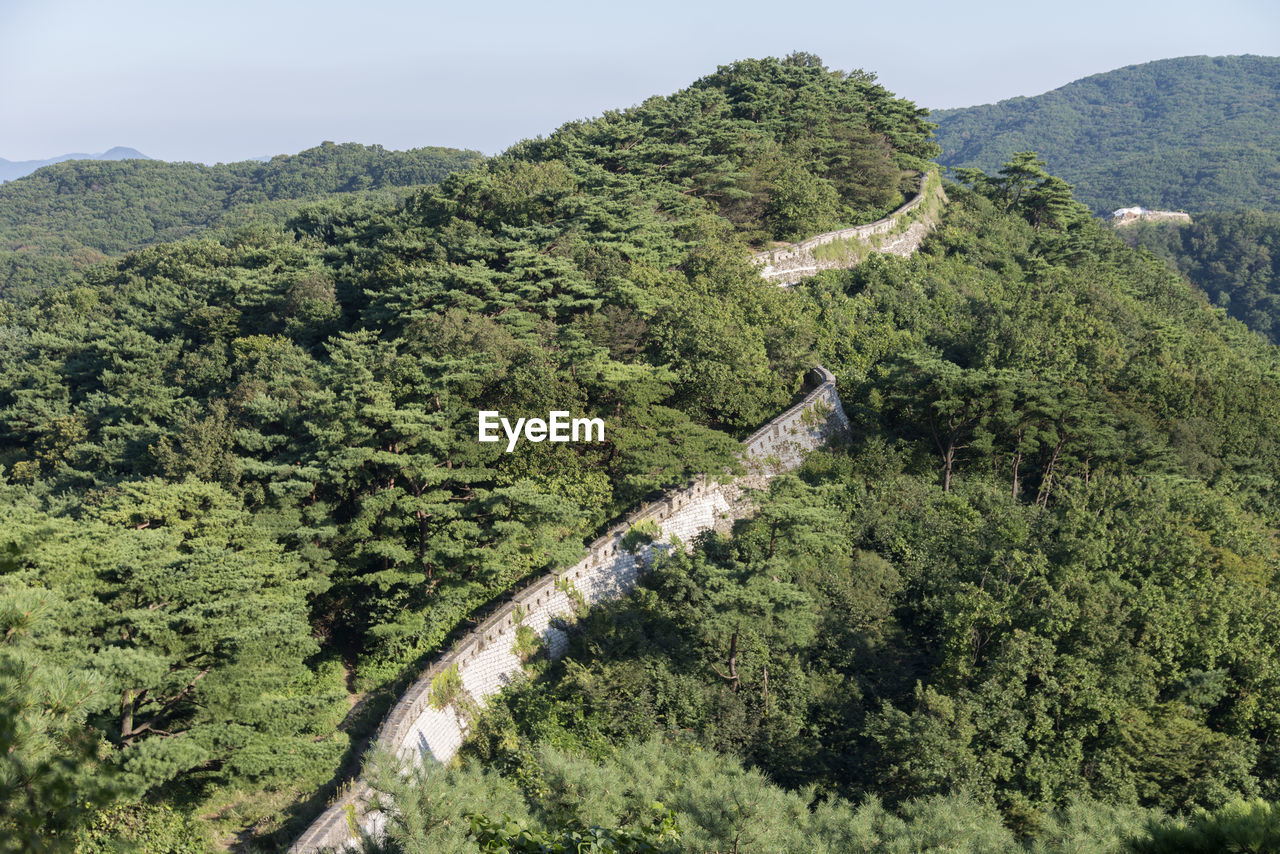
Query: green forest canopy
1196, 133
71, 214
304, 398
1040, 577
1234, 257
243, 494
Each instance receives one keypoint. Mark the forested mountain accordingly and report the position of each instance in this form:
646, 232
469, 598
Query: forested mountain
1233, 257
1196, 133
239, 467
1031, 602
1031, 607
11, 169
70, 214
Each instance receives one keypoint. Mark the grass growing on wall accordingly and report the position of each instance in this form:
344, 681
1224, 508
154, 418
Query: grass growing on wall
446, 688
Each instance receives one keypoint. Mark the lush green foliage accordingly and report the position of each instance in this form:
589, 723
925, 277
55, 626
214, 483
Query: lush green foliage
245, 467
1031, 605
1252, 826
193, 622
781, 149
66, 216
1196, 133
1233, 257
1045, 571
671, 796
142, 827
50, 772
11, 169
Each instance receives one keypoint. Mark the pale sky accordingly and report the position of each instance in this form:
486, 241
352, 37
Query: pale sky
187, 80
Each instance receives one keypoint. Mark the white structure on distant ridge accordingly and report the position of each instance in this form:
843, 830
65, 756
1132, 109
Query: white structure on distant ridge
1124, 216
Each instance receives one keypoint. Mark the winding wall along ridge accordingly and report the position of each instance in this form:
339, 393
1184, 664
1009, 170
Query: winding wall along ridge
899, 233
484, 659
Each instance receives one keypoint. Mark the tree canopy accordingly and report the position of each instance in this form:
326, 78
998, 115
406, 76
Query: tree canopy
1234, 257
1030, 602
1196, 133
72, 214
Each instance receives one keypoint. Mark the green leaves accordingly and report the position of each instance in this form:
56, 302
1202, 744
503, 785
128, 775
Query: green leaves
67, 216
1170, 134
1024, 187
51, 773
1252, 825
1234, 257
800, 204
192, 618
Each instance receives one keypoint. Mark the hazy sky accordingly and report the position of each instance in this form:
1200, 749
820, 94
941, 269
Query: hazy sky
188, 80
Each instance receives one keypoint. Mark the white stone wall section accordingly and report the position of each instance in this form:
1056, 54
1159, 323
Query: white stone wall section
793, 262
484, 658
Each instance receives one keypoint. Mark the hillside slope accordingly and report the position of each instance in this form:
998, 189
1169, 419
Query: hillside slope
304, 401
1196, 133
1233, 256
243, 500
69, 214
1031, 606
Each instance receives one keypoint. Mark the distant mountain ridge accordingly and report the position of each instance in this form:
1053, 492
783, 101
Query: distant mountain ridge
12, 169
1195, 133
77, 212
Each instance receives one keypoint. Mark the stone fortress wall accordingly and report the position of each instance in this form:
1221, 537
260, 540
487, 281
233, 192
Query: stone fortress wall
899, 233
485, 660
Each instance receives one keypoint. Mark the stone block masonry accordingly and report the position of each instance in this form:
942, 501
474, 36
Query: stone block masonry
900, 233
485, 659
1128, 216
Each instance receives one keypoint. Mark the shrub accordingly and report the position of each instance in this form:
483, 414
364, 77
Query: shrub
1252, 826
640, 534
446, 688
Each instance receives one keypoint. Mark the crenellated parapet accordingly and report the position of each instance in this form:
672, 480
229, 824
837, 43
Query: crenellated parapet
486, 660
899, 233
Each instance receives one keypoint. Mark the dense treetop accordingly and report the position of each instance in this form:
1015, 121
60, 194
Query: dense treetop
780, 149
11, 169
1196, 133
1234, 257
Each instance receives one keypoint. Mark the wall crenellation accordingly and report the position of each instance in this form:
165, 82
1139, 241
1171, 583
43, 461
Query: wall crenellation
899, 233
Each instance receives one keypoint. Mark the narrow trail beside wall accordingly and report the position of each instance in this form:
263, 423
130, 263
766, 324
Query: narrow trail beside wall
428, 719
